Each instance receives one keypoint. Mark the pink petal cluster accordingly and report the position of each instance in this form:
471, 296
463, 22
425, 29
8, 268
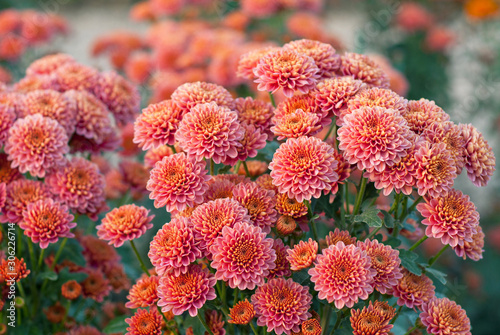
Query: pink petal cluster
365, 69
7, 118
253, 140
442, 316
189, 95
413, 290
19, 194
323, 54
332, 95
480, 159
259, 202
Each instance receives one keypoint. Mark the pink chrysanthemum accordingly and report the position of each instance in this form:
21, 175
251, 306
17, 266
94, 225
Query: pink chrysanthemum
385, 260
302, 255
75, 76
420, 114
413, 290
219, 188
19, 194
255, 112
374, 137
253, 140
289, 206
155, 155
259, 203
7, 118
51, 104
480, 159
210, 131
282, 305
343, 274
248, 61
174, 247
473, 250
34, 83
92, 116
304, 102
210, 218
145, 322
48, 64
84, 330
436, 169
177, 182
120, 95
259, 8
332, 95
189, 95
186, 292
45, 221
3, 194
95, 286
36, 144
338, 235
296, 124
442, 316
157, 124
452, 217
124, 223
373, 319
144, 292
304, 167
282, 268
80, 185
323, 54
215, 322
288, 70
365, 69
242, 256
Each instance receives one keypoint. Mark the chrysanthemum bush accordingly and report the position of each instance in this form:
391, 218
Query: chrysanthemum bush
301, 213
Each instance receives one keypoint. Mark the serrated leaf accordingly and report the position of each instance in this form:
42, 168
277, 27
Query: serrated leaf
117, 325
49, 275
388, 219
370, 217
393, 242
441, 276
408, 260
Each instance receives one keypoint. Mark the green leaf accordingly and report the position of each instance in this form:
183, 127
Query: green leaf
388, 219
300, 277
370, 217
117, 325
50, 275
408, 260
393, 241
441, 276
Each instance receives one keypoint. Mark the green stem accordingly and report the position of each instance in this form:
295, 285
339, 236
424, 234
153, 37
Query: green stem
173, 148
435, 258
212, 167
32, 255
235, 293
40, 259
347, 199
414, 204
333, 125
204, 323
143, 266
237, 167
395, 204
23, 295
411, 330
311, 221
68, 305
373, 233
337, 323
396, 316
247, 172
361, 194
273, 102
342, 209
325, 319
253, 328
405, 209
419, 242
58, 253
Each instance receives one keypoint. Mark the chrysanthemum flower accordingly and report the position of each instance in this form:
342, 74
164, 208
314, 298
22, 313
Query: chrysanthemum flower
19, 194
323, 54
51, 104
210, 218
92, 116
248, 61
242, 256
282, 268
215, 322
144, 292
338, 235
7, 118
253, 140
385, 260
304, 167
480, 159
420, 114
343, 169
259, 203
242, 313
48, 64
98, 253
36, 144
372, 319
296, 124
436, 169
124, 223
473, 250
332, 95
255, 112
365, 69
71, 290
304, 102
285, 225
84, 330
80, 185
177, 181
186, 292
288, 70
343, 274
95, 286
145, 322
157, 125
3, 194
311, 327
258, 8
290, 206
13, 273
219, 188
373, 137
266, 182
255, 168
34, 83
174, 247
55, 313
45, 221
442, 316
189, 95
139, 67
7, 173
75, 76
109, 141
117, 277
413, 290
282, 305
155, 155
302, 255
452, 217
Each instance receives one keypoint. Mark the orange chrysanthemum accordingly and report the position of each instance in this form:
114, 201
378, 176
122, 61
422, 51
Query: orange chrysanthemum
55, 313
311, 327
290, 206
413, 290
339, 235
285, 225
95, 286
71, 290
242, 313
302, 255
443, 316
373, 319
9, 273
144, 292
145, 322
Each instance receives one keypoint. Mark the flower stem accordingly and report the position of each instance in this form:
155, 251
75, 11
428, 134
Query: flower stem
359, 198
373, 233
435, 258
212, 167
247, 172
204, 323
237, 167
58, 253
40, 259
347, 211
235, 294
273, 102
143, 267
414, 204
397, 314
419, 242
330, 131
253, 328
337, 323
342, 209
411, 330
325, 319
173, 148
32, 255
311, 221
